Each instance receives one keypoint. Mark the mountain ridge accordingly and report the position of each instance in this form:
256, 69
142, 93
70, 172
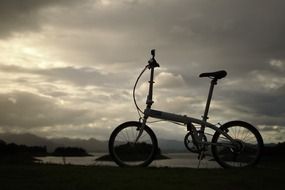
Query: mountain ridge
90, 145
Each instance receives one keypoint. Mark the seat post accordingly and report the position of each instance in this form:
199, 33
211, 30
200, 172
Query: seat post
205, 116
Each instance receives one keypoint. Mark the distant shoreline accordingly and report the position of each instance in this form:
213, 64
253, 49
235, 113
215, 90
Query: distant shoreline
107, 157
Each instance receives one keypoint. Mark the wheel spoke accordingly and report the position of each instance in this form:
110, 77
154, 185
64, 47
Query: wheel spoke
126, 151
245, 152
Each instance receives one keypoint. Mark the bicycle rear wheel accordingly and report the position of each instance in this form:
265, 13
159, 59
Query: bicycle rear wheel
129, 148
247, 150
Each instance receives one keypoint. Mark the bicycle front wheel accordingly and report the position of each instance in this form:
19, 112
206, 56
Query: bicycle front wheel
246, 150
130, 145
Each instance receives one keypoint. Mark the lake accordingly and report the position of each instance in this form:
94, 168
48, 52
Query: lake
188, 160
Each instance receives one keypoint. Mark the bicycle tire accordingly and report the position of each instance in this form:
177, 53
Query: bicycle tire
247, 154
129, 154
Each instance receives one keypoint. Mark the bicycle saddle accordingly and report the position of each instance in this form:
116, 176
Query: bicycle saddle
217, 75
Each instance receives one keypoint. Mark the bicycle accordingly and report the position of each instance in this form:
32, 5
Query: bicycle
234, 144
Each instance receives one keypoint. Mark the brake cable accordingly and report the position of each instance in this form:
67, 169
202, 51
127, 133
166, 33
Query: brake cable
134, 92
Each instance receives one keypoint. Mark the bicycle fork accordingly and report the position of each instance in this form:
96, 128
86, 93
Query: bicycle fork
140, 129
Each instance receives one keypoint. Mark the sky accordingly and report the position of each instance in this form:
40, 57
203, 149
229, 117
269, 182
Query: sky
67, 67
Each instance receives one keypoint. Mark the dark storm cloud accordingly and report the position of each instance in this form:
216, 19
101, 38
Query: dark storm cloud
266, 108
23, 109
18, 16
214, 33
235, 35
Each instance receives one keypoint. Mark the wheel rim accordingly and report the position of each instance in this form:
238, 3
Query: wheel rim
131, 153
246, 151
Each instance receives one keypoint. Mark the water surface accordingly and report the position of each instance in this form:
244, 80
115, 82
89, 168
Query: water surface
188, 160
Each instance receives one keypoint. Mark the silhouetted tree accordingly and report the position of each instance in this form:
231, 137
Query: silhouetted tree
13, 153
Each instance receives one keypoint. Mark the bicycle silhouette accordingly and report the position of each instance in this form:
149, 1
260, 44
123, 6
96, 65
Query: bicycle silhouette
234, 144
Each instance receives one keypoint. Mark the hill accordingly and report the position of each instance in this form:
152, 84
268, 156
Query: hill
90, 145
28, 140
94, 145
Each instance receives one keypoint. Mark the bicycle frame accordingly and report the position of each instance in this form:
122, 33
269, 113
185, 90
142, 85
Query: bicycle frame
133, 143
148, 112
187, 121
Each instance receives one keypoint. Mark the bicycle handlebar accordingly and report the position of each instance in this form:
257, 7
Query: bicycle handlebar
152, 63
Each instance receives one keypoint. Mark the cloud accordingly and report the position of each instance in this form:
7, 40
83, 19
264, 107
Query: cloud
27, 110
18, 16
216, 34
89, 54
168, 80
81, 76
277, 64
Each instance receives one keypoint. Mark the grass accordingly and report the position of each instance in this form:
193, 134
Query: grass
43, 177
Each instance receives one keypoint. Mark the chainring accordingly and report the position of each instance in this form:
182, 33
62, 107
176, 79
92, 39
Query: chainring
191, 145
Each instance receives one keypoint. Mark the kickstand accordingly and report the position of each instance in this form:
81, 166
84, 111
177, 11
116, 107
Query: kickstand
200, 157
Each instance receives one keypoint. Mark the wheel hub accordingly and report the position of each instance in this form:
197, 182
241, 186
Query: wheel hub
239, 146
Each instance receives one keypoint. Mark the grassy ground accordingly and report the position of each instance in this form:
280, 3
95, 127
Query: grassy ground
49, 177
